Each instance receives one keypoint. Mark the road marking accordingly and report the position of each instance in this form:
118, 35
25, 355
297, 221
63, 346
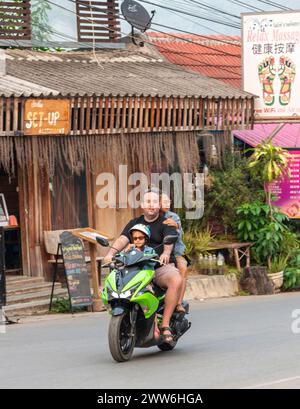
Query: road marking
294, 378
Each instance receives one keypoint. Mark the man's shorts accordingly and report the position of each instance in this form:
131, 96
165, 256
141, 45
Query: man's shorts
165, 270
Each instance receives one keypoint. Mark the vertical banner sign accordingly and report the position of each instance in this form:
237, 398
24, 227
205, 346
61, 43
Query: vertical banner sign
47, 117
76, 270
2, 270
271, 62
287, 191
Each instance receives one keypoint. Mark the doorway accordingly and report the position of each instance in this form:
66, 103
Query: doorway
69, 199
12, 237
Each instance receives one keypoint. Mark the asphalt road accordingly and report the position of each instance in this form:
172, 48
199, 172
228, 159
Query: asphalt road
244, 342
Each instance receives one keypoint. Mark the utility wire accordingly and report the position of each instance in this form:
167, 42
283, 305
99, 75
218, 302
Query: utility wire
213, 8
245, 5
151, 43
158, 31
189, 14
204, 11
272, 3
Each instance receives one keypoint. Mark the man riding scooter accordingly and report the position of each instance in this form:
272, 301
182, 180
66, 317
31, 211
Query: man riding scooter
167, 276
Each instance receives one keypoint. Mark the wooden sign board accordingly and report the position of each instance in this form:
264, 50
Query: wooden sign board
76, 270
90, 234
2, 270
47, 117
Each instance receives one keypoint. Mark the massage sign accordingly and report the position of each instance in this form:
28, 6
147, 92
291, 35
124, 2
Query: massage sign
271, 57
47, 117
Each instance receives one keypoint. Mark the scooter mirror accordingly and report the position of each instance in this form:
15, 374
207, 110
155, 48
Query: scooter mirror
171, 239
102, 241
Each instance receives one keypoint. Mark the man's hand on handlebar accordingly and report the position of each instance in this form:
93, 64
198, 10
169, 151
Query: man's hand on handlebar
164, 258
107, 259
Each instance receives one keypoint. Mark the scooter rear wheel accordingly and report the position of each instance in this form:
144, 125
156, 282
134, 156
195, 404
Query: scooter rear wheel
121, 343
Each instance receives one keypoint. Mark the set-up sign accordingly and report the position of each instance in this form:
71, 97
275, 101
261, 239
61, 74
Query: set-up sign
47, 117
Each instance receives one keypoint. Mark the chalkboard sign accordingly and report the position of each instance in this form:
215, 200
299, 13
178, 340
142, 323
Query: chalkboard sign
2, 270
76, 270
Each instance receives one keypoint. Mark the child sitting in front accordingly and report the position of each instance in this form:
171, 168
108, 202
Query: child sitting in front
139, 234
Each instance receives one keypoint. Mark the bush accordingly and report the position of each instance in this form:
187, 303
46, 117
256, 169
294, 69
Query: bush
291, 276
232, 185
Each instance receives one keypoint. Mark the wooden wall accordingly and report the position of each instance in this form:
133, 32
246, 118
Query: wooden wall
110, 115
129, 114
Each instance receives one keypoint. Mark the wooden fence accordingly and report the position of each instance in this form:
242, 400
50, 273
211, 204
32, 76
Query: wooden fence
108, 115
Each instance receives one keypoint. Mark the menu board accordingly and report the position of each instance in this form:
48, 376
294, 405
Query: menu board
287, 190
2, 270
76, 270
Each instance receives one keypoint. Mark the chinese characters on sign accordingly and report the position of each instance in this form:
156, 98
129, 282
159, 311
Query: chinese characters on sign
271, 54
47, 117
287, 191
277, 48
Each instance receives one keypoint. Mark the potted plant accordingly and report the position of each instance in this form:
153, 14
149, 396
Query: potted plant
278, 265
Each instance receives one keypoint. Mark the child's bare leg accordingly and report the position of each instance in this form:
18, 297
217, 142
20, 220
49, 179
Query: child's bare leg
182, 267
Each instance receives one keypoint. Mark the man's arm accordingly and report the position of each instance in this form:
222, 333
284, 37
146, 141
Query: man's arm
165, 256
118, 245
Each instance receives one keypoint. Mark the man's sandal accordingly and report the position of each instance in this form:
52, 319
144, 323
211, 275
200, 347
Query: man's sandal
168, 338
180, 308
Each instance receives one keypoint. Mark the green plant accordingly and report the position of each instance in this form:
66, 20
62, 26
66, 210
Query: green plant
268, 244
242, 293
231, 185
270, 235
291, 276
251, 217
197, 242
61, 305
270, 163
278, 264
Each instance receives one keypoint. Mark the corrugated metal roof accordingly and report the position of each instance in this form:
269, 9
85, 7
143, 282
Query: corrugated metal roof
18, 87
110, 73
216, 57
287, 137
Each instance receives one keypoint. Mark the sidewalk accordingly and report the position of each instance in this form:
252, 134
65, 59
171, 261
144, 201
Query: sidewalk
216, 286
199, 287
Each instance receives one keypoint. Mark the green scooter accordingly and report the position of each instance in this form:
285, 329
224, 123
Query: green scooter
136, 304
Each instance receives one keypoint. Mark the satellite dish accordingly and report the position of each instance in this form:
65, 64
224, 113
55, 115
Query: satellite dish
137, 16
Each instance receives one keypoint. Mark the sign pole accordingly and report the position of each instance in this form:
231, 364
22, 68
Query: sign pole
97, 302
2, 270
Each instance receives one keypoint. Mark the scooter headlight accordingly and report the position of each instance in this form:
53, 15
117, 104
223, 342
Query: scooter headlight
128, 293
125, 294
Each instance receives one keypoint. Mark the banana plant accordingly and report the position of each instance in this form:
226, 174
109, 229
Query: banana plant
271, 163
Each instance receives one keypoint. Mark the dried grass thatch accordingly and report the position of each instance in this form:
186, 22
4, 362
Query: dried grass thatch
144, 152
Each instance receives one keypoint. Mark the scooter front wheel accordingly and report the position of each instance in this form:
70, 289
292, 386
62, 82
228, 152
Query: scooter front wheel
121, 341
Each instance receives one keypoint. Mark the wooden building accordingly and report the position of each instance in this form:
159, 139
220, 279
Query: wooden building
67, 117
